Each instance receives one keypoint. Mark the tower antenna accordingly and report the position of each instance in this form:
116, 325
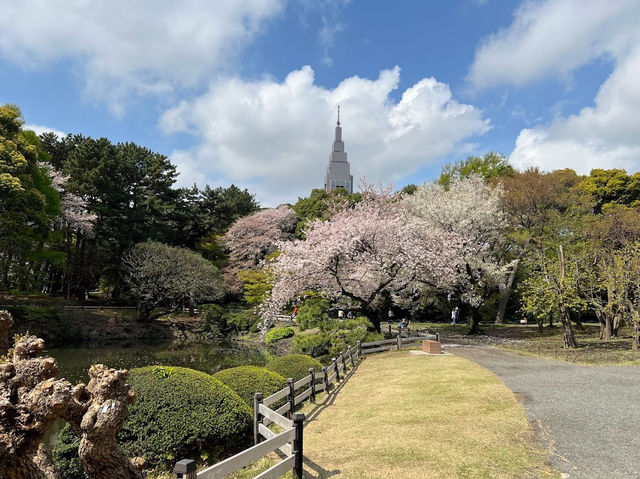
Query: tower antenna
338, 115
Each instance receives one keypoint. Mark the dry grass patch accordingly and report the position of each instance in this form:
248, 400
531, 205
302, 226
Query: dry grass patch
408, 416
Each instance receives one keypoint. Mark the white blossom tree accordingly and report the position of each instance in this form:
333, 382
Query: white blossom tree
75, 212
471, 209
253, 237
367, 253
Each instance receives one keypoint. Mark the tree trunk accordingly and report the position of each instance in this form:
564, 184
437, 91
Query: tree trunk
506, 293
569, 338
606, 333
615, 325
635, 336
192, 303
474, 321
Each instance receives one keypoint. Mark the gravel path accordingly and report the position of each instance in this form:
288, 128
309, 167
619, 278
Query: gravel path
587, 416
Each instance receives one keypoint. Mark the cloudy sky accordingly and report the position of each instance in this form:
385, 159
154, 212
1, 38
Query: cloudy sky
245, 91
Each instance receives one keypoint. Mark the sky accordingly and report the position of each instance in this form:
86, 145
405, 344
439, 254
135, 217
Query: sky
246, 91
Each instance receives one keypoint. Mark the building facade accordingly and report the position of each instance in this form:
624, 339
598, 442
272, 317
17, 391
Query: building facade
338, 172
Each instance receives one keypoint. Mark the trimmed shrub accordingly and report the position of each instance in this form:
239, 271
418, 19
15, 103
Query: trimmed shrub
248, 380
294, 366
65, 454
276, 334
181, 412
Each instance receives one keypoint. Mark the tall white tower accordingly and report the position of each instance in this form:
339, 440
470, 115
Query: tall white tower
338, 172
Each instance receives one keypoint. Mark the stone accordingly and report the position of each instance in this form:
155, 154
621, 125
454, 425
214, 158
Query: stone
431, 347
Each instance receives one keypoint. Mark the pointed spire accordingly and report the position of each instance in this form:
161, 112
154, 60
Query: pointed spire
338, 115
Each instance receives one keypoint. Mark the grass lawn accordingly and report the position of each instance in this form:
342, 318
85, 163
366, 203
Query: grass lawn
528, 339
407, 416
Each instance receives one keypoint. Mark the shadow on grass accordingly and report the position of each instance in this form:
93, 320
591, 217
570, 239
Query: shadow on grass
312, 469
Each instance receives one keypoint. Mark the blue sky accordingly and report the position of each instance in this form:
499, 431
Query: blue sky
245, 92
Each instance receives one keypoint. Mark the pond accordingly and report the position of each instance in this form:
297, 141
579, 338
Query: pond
209, 357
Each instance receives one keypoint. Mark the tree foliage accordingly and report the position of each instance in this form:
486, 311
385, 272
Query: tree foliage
158, 273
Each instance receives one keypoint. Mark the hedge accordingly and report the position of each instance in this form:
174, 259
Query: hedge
248, 380
294, 366
276, 334
181, 412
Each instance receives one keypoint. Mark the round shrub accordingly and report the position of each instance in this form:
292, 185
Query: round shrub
180, 412
276, 334
294, 366
248, 380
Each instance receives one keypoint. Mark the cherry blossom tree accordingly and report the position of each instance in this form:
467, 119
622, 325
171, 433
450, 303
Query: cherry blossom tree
367, 253
471, 209
75, 211
253, 237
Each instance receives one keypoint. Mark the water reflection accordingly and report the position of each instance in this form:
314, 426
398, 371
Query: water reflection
209, 357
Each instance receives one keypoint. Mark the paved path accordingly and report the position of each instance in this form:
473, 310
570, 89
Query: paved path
588, 416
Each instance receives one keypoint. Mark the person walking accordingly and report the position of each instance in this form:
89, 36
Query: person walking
455, 313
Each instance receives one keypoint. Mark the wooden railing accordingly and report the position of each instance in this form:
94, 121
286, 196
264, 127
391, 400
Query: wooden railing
289, 440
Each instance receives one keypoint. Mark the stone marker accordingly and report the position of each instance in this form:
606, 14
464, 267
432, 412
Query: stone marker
431, 347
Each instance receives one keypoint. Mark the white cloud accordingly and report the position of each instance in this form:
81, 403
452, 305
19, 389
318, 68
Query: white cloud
142, 47
39, 130
603, 136
555, 37
275, 137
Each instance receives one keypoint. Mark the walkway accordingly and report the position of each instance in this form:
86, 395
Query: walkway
588, 416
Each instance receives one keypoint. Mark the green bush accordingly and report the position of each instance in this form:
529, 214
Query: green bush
335, 336
312, 312
181, 412
65, 454
294, 366
213, 318
241, 320
248, 380
276, 334
314, 345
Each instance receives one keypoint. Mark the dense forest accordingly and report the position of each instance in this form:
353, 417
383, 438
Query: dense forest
82, 216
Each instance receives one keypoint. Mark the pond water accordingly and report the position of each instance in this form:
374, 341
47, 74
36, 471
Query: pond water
209, 357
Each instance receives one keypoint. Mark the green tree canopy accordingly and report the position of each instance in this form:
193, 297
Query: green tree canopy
491, 165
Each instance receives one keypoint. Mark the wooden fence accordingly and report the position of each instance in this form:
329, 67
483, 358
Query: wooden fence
289, 439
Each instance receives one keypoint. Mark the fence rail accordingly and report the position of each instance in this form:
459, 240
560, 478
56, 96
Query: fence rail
290, 440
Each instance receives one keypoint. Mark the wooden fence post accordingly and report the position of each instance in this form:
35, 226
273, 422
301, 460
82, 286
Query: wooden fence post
297, 450
257, 417
359, 344
399, 340
344, 363
438, 337
325, 375
351, 357
334, 361
292, 396
185, 469
313, 384
389, 328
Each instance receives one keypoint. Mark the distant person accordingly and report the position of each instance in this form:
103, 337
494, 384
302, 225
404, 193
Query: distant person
455, 314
